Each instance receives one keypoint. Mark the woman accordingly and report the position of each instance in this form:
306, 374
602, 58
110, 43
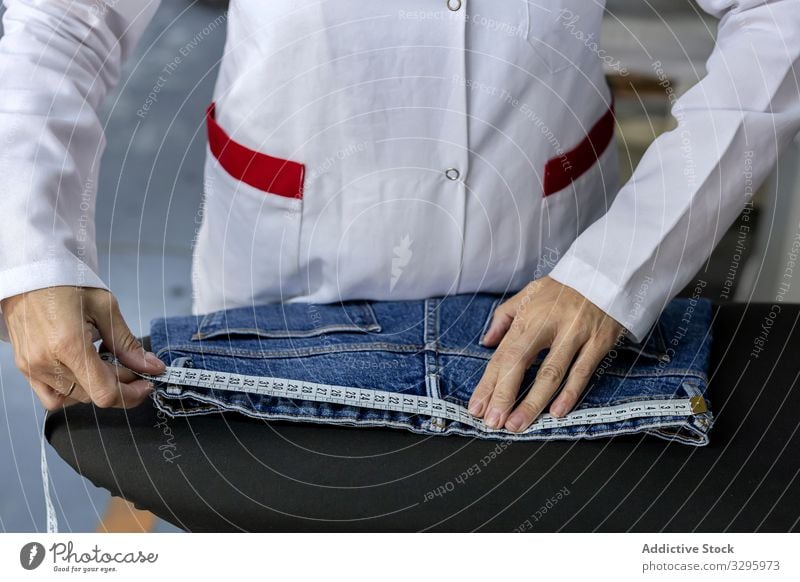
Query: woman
390, 151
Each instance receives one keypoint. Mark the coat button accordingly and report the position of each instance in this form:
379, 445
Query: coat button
452, 174
454, 5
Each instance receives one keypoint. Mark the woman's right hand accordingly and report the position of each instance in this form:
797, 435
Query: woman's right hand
52, 332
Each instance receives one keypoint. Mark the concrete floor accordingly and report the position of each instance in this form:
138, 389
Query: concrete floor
148, 196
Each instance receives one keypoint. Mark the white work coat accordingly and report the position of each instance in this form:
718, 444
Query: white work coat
400, 150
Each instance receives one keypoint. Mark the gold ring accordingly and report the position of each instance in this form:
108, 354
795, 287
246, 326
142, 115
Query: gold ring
71, 388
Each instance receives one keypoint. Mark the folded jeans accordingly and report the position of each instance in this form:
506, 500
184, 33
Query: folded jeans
428, 348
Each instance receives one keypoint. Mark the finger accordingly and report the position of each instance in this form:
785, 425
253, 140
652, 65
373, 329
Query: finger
51, 399
67, 386
44, 374
581, 372
123, 375
69, 401
482, 394
505, 393
501, 322
483, 391
61, 379
78, 394
100, 382
119, 340
548, 378
47, 396
514, 360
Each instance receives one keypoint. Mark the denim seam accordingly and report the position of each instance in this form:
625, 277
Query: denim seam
200, 349
488, 355
700, 437
621, 372
397, 348
191, 393
362, 319
288, 334
650, 426
161, 401
682, 372
465, 352
227, 407
584, 406
626, 401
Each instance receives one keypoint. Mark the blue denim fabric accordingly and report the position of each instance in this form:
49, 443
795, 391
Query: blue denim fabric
425, 347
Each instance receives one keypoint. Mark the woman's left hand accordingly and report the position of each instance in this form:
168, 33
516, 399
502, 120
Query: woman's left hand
545, 314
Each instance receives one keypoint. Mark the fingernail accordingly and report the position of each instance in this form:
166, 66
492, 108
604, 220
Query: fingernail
514, 423
492, 418
475, 407
558, 410
152, 359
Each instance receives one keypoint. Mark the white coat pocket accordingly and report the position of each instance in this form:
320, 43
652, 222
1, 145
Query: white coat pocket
248, 245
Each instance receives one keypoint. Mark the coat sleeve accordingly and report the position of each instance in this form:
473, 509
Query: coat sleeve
694, 180
58, 60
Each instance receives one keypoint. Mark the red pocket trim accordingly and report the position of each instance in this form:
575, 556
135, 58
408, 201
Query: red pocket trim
273, 175
561, 171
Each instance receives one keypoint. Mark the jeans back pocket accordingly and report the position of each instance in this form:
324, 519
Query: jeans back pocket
288, 320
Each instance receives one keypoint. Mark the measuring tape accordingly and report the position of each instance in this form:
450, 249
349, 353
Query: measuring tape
175, 378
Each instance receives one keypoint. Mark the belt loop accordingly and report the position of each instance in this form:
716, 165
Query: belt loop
431, 341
